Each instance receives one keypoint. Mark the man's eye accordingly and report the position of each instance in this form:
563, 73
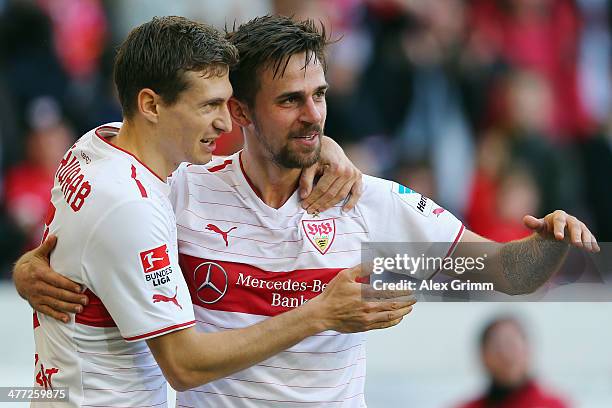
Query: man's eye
210, 106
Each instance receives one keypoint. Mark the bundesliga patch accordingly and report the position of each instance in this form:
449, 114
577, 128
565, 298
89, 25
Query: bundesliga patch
155, 259
320, 233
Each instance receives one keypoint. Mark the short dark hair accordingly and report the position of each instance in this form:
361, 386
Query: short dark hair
269, 42
487, 331
157, 54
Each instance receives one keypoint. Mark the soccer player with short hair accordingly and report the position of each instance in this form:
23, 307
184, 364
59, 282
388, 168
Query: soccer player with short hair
250, 253
117, 238
266, 254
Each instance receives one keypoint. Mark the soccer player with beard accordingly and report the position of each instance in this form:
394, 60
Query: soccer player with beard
116, 234
250, 252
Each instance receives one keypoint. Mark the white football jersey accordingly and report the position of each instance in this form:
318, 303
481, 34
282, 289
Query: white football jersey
117, 238
245, 261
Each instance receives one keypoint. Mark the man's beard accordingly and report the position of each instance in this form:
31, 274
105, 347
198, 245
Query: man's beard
288, 158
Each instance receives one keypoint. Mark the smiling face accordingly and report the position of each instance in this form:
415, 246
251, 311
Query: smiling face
191, 124
288, 114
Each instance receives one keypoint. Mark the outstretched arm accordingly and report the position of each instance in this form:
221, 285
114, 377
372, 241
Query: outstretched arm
185, 356
187, 361
522, 266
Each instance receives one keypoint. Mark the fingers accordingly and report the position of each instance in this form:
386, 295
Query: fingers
385, 325
578, 234
76, 300
588, 239
368, 292
334, 186
357, 272
56, 280
389, 306
388, 316
47, 246
307, 180
559, 223
533, 223
594, 243
330, 197
322, 186
355, 195
57, 305
46, 310
574, 229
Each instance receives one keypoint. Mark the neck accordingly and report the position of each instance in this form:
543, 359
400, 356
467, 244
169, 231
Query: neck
273, 184
136, 138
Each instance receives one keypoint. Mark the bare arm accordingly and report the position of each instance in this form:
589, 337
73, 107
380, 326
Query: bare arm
46, 291
522, 266
189, 358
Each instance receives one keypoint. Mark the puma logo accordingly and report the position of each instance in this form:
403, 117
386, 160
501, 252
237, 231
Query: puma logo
214, 228
162, 298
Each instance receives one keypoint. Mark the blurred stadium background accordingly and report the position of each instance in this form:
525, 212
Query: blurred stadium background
494, 108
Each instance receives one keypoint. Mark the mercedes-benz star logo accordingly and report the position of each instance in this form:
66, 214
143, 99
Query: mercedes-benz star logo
214, 285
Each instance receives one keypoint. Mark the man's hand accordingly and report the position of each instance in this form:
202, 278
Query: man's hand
47, 291
345, 309
554, 227
339, 179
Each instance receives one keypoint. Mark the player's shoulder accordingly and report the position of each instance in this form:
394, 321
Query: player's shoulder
378, 192
220, 170
377, 189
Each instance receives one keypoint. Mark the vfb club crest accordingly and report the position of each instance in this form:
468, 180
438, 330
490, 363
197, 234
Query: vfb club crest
320, 233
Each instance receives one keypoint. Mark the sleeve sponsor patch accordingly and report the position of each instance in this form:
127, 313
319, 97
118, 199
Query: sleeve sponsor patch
419, 202
402, 189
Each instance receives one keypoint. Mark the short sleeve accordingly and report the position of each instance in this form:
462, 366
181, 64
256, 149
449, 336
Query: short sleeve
130, 263
396, 213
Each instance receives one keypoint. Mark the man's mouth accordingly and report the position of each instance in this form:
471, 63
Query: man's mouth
308, 137
209, 143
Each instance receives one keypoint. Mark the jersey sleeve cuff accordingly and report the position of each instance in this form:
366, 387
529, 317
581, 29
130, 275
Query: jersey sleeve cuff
160, 332
456, 241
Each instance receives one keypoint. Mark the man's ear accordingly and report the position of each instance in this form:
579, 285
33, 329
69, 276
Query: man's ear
148, 104
240, 112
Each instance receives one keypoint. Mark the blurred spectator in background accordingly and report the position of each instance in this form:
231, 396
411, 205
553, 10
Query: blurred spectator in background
28, 183
505, 354
535, 35
502, 192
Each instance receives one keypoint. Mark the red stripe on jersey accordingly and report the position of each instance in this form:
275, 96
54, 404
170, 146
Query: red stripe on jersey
220, 166
237, 287
143, 192
452, 248
160, 331
114, 129
36, 321
255, 189
95, 313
